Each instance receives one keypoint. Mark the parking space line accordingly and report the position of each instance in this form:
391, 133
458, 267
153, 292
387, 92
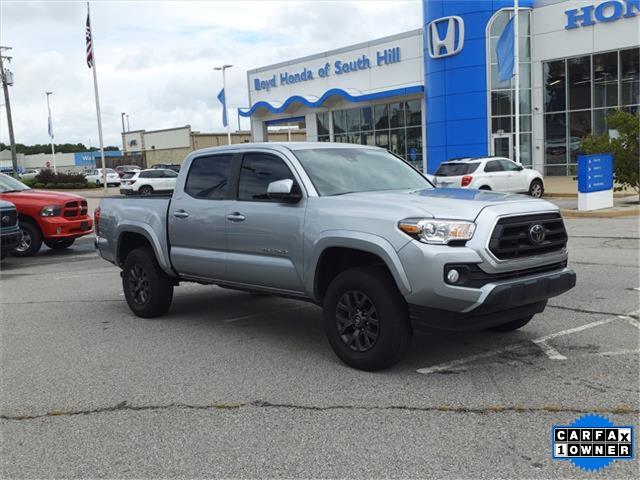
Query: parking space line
84, 274
541, 342
551, 352
612, 353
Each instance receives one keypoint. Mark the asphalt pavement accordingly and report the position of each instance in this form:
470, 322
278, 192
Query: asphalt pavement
232, 384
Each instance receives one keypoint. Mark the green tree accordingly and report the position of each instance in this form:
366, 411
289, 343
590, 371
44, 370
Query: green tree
625, 147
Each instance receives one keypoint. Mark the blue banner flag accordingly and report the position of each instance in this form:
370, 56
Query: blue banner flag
505, 53
223, 101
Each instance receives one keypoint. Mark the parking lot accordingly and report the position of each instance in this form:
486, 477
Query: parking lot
231, 384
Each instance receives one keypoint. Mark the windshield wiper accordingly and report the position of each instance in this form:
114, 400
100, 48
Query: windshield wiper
13, 191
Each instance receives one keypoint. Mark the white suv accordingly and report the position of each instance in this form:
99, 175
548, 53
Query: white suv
145, 182
489, 173
97, 176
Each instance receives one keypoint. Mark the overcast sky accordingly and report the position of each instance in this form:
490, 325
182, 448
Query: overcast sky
155, 59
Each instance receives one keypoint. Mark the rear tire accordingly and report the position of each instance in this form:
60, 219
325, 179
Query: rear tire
145, 190
147, 289
366, 319
536, 189
60, 244
31, 240
511, 326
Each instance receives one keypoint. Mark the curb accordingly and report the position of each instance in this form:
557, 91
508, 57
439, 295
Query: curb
606, 213
575, 195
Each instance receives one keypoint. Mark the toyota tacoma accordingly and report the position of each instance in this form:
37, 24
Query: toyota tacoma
351, 228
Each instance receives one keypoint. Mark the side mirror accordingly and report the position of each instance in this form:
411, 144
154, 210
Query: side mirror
284, 191
520, 168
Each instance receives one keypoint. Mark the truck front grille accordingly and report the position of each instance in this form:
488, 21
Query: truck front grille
75, 209
9, 217
513, 237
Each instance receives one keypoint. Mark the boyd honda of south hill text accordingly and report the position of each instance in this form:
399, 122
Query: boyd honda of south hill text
351, 228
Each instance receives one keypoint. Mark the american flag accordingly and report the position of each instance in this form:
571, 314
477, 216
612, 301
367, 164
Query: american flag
89, 44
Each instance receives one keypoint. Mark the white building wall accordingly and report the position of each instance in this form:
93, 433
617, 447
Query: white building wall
551, 41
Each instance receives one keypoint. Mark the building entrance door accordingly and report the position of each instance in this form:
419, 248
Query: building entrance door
502, 145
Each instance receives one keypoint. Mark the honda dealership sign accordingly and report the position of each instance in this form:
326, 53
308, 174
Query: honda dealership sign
445, 36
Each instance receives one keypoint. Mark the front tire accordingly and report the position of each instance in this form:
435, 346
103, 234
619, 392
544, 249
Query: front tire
147, 289
511, 326
60, 244
366, 319
536, 189
31, 240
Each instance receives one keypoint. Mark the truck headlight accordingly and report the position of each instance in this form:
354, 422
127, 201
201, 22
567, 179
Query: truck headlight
50, 211
438, 232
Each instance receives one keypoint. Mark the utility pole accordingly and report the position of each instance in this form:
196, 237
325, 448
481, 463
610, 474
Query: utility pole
5, 87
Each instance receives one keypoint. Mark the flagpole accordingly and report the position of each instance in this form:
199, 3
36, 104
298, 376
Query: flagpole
516, 48
224, 87
53, 148
97, 96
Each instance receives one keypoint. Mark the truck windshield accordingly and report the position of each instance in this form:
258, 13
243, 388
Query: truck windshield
9, 184
336, 171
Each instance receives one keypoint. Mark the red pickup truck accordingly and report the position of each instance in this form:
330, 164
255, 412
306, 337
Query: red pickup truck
54, 218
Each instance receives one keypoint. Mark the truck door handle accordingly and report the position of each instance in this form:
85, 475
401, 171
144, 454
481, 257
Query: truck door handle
235, 217
180, 214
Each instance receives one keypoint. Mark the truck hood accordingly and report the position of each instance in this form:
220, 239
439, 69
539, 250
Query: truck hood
43, 196
448, 203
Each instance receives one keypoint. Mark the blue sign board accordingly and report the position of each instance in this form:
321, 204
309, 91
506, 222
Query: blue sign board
88, 159
595, 172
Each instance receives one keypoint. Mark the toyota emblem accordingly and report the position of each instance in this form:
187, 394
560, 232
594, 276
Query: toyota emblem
537, 234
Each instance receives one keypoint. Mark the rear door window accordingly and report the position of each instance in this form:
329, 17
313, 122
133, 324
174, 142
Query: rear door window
456, 169
209, 177
493, 166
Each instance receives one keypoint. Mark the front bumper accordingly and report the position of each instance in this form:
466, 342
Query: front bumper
62, 227
499, 303
9, 240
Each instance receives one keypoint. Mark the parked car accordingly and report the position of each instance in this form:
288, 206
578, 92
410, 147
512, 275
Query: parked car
97, 176
352, 228
171, 166
121, 169
489, 173
9, 231
29, 174
148, 181
54, 218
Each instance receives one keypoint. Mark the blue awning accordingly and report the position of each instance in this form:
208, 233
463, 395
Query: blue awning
312, 103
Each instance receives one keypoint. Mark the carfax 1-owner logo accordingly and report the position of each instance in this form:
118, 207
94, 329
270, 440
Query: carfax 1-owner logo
592, 442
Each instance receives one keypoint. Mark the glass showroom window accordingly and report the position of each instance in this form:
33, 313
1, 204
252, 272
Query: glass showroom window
502, 94
396, 127
579, 93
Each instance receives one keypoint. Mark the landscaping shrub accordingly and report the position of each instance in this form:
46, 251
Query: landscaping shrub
48, 179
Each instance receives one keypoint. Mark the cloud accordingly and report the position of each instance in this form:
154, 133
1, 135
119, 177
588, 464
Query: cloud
155, 59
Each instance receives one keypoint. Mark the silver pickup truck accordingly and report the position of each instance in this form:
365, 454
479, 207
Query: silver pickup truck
351, 228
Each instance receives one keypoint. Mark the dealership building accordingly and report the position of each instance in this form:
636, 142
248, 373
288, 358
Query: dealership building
434, 93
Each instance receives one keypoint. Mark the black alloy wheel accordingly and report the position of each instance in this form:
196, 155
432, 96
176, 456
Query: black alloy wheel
357, 321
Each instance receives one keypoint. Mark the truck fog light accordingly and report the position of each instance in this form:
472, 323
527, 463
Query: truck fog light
59, 230
453, 276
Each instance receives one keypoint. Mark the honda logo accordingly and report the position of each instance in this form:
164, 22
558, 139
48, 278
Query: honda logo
451, 41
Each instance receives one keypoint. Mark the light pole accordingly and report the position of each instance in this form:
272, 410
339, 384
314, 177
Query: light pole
5, 86
53, 149
124, 143
224, 88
